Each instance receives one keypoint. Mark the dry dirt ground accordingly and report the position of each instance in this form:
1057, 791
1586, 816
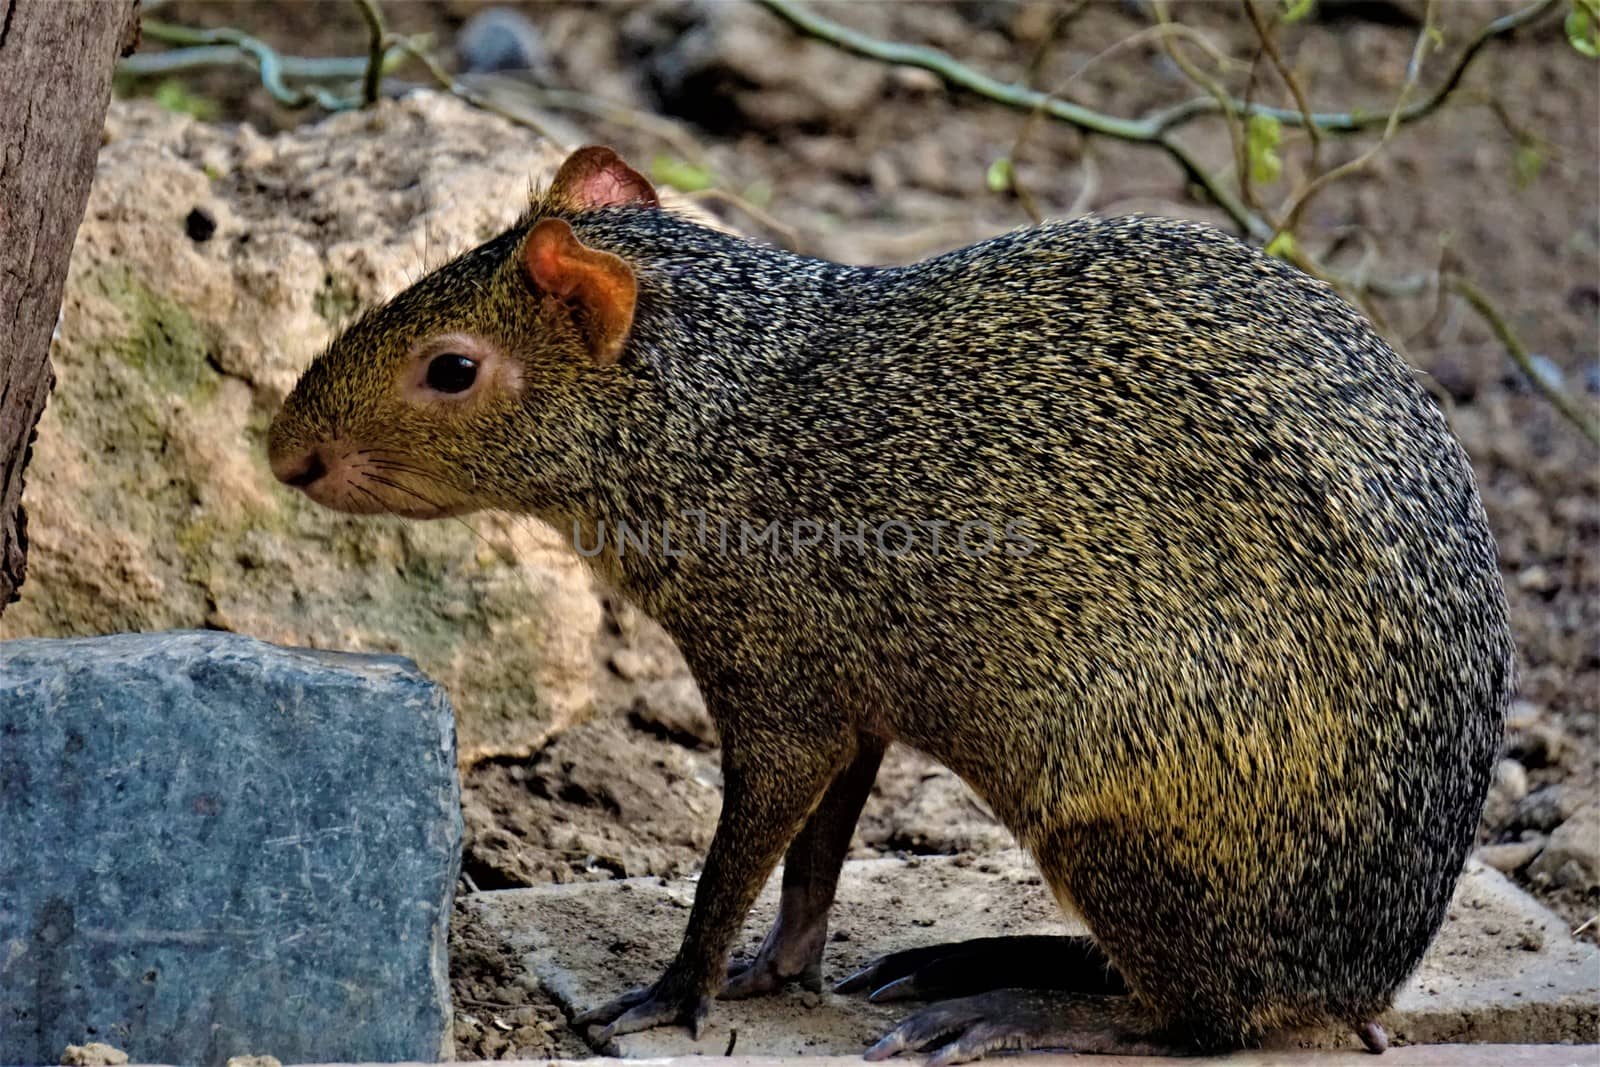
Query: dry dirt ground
870, 164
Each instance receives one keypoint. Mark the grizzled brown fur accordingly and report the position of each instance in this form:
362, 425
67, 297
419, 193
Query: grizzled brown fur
1241, 699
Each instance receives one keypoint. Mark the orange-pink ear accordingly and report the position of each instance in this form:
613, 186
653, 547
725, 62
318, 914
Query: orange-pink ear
600, 285
594, 176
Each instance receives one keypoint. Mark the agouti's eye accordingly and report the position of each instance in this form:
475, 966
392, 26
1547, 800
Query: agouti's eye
451, 373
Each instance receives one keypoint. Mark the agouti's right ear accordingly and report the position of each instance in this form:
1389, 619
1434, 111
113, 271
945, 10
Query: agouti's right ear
600, 286
595, 176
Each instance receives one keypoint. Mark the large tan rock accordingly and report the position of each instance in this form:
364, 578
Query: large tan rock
149, 498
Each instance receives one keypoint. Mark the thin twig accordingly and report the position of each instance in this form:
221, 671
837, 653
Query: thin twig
1345, 122
1269, 44
1585, 421
450, 85
265, 58
202, 57
1142, 131
1247, 191
1035, 67
955, 72
1084, 201
1161, 31
372, 80
665, 130
1149, 127
1209, 84
1292, 214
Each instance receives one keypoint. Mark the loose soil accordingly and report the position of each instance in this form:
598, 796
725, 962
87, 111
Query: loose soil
863, 164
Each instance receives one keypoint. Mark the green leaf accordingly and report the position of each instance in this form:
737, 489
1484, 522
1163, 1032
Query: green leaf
1263, 133
1526, 163
1281, 246
999, 175
172, 95
1583, 27
1295, 10
680, 174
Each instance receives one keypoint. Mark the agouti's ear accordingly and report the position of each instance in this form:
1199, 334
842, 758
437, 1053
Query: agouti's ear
595, 176
599, 285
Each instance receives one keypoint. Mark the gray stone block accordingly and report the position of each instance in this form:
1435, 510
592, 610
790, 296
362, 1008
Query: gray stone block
212, 846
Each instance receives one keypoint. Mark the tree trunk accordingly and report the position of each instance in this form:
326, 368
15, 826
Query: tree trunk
56, 62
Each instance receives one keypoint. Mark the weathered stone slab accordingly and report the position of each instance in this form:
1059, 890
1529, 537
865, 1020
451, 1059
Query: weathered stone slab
212, 846
1504, 969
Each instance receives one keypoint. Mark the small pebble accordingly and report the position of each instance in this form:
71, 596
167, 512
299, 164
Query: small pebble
1544, 809
628, 664
1512, 856
1538, 579
1537, 744
1507, 789
915, 80
1523, 713
500, 39
1572, 858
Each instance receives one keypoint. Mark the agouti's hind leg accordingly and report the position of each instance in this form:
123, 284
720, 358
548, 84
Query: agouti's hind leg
793, 947
1021, 1019
962, 968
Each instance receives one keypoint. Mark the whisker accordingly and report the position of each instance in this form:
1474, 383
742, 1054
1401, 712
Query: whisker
370, 495
407, 490
385, 458
403, 468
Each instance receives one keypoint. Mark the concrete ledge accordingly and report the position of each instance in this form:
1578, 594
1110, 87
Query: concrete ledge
1418, 1056
1504, 969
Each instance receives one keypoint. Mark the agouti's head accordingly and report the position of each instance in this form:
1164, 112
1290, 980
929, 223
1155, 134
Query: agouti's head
474, 387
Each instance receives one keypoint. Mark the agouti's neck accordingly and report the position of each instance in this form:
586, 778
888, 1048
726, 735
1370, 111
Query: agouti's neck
723, 352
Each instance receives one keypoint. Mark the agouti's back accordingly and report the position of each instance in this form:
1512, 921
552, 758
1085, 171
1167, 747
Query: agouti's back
1147, 536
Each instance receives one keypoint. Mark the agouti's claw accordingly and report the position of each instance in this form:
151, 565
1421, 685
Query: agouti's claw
899, 989
855, 983
612, 1009
645, 1008
890, 969
928, 1026
653, 1013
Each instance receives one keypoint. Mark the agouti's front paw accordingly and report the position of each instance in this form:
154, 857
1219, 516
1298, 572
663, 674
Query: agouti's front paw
670, 999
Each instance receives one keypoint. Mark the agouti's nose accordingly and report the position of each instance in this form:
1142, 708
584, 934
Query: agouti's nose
309, 469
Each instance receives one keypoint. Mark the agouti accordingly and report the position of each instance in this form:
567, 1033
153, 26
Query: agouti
1149, 537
